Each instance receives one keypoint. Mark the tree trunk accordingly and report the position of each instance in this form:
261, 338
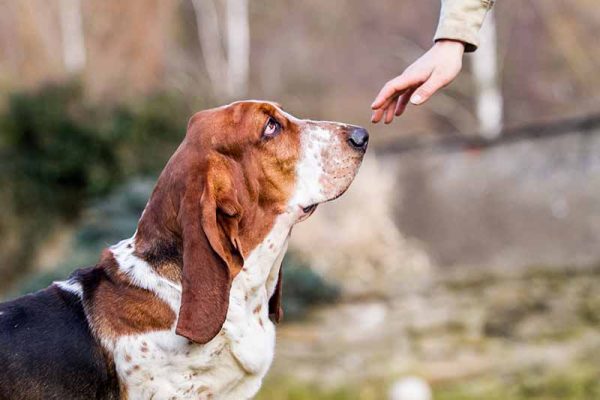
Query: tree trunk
227, 70
238, 47
484, 62
73, 40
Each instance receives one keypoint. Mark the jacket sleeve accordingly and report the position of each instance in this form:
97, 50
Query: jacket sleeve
461, 20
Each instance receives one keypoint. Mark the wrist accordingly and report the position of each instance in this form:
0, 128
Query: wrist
455, 45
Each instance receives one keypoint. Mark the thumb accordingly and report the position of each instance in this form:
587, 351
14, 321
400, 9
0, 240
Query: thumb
428, 88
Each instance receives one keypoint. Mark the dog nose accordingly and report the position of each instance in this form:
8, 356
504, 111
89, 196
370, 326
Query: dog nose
358, 138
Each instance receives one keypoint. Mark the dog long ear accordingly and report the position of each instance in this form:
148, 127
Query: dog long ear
275, 307
212, 255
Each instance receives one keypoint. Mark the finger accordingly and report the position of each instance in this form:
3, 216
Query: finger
391, 100
377, 115
403, 101
380, 112
435, 82
389, 112
393, 87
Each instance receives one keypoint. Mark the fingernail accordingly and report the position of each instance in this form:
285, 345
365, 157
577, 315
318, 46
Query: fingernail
416, 99
373, 105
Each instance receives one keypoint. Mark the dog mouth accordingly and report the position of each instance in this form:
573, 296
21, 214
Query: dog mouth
307, 211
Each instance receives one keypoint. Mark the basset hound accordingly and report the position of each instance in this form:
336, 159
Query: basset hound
185, 308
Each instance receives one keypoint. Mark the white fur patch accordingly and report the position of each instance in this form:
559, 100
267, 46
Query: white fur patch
309, 170
327, 164
72, 286
143, 275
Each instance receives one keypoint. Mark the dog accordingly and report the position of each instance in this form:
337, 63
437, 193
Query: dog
186, 308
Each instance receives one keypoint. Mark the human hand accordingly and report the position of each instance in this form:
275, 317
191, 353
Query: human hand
431, 72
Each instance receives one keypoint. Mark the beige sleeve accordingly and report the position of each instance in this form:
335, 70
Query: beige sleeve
461, 20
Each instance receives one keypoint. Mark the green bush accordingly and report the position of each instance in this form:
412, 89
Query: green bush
53, 154
303, 288
147, 133
58, 153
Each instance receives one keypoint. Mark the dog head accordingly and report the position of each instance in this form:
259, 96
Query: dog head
238, 168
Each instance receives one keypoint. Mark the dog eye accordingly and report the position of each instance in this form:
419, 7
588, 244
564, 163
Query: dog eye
272, 128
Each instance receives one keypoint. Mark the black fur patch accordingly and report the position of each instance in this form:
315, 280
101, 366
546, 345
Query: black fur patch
164, 252
48, 352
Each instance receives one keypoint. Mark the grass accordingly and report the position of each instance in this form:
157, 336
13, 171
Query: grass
288, 389
578, 382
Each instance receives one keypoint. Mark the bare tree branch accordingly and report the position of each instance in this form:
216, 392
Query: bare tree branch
227, 70
484, 64
238, 46
207, 22
73, 39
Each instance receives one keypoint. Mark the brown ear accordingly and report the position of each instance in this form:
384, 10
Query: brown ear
275, 308
212, 256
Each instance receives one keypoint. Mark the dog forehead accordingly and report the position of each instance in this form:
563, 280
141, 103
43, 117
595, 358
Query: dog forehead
255, 103
263, 107
249, 116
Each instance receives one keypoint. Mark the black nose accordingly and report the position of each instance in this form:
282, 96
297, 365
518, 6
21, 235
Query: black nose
358, 138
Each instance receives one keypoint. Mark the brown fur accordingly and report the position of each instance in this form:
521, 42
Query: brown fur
117, 308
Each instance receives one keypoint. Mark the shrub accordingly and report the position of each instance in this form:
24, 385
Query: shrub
58, 153
52, 152
303, 288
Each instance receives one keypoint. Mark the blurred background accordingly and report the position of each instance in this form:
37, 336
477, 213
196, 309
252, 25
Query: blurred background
466, 254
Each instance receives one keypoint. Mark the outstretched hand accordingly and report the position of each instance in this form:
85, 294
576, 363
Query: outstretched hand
431, 72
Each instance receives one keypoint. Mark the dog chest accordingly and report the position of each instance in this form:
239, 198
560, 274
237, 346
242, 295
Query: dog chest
163, 365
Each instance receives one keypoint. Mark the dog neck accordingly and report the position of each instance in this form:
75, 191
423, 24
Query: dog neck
156, 266
247, 332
